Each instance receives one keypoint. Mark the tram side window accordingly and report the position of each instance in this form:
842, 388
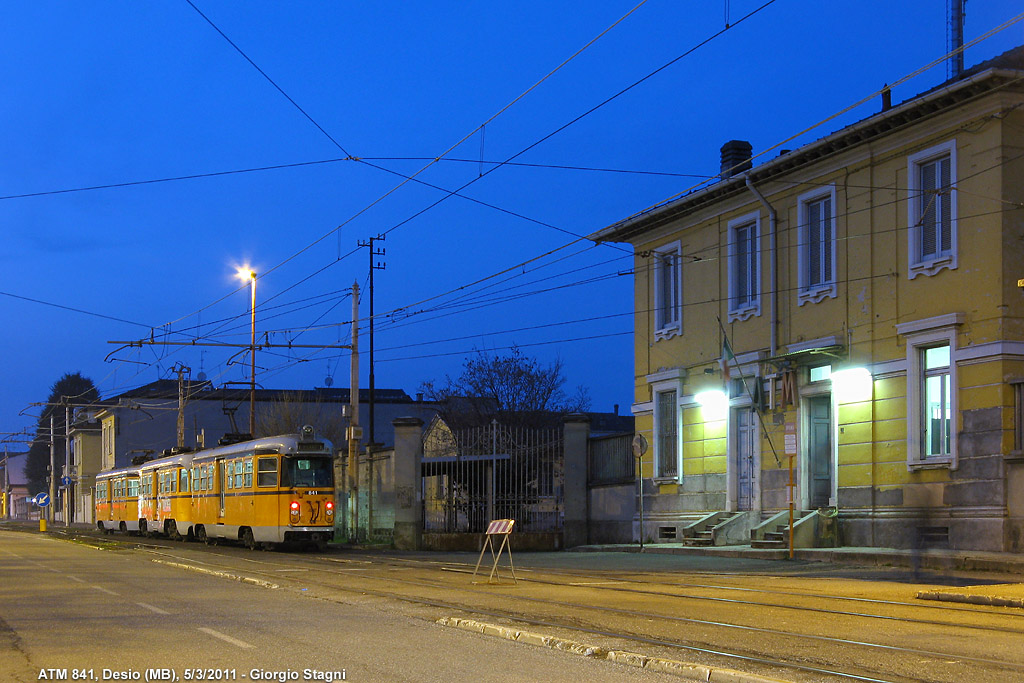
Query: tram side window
266, 472
248, 473
133, 488
238, 474
225, 470
184, 481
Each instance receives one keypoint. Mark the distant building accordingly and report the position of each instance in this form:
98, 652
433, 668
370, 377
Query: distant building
15, 487
854, 304
144, 421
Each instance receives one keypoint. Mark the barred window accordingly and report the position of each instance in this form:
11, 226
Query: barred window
667, 433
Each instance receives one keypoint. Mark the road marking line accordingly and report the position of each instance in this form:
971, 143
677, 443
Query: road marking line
226, 638
105, 590
75, 578
152, 608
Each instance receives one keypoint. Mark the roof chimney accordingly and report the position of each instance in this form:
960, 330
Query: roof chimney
735, 157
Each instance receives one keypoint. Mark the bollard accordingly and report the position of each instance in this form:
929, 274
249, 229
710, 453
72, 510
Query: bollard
42, 523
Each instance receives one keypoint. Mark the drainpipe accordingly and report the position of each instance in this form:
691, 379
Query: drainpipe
773, 277
774, 304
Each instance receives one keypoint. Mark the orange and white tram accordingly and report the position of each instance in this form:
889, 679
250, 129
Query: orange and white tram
117, 500
277, 489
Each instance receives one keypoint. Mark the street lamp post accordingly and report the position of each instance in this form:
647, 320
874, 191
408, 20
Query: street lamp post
250, 275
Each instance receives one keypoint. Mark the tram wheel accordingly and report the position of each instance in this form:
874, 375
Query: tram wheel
201, 534
247, 539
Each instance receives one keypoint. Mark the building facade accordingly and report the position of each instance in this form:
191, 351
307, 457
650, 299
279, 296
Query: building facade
846, 314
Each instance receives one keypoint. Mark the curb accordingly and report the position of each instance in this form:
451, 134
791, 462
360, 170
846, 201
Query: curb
697, 672
223, 575
973, 599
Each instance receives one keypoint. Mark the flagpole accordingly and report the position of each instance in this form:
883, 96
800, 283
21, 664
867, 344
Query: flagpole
727, 355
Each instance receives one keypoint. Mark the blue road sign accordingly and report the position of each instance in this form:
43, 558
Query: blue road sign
42, 500
65, 481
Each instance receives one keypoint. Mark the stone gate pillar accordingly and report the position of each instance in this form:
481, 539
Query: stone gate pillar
576, 435
408, 483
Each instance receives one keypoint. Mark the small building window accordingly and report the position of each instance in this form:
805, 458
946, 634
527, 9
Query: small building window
821, 373
932, 216
667, 434
816, 249
744, 273
936, 404
668, 286
931, 390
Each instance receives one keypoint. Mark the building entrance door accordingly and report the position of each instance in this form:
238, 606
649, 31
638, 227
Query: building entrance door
819, 449
743, 457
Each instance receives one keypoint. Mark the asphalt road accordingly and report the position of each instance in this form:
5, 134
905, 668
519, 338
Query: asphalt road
68, 610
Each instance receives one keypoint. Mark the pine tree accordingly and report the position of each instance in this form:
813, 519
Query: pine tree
71, 388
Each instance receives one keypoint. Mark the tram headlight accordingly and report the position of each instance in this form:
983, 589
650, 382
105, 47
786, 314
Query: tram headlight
330, 508
294, 508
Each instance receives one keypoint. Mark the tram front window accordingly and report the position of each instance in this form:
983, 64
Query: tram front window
316, 472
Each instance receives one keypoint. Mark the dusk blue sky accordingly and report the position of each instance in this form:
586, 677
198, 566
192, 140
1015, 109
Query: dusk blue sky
119, 93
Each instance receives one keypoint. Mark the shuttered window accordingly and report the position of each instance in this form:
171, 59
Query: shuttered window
819, 242
935, 216
667, 292
932, 204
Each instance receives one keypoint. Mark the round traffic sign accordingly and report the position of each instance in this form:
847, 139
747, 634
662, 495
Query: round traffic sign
42, 500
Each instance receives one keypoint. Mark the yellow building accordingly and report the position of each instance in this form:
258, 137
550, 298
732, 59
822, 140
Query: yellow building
851, 308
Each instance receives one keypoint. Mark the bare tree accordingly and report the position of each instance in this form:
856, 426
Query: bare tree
292, 410
513, 389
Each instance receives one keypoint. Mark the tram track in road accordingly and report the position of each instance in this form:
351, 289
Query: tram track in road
279, 570
606, 582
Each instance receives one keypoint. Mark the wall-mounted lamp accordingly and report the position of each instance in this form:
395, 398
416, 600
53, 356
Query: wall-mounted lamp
852, 384
714, 403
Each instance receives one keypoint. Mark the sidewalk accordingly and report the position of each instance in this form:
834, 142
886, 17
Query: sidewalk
1008, 566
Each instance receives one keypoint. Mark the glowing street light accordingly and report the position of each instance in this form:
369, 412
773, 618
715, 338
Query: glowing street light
245, 273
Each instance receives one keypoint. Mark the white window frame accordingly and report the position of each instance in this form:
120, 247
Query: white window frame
662, 383
750, 306
921, 335
916, 202
668, 328
816, 293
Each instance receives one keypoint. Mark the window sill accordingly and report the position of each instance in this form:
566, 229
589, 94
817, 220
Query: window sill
668, 332
1014, 457
741, 314
674, 479
932, 266
816, 295
931, 464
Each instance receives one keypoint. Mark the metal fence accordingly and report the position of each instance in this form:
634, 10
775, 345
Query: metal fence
610, 460
474, 475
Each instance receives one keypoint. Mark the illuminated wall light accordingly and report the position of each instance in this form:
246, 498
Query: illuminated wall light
715, 404
852, 384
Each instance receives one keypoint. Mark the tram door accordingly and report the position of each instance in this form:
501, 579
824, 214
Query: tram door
820, 450
743, 457
222, 486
